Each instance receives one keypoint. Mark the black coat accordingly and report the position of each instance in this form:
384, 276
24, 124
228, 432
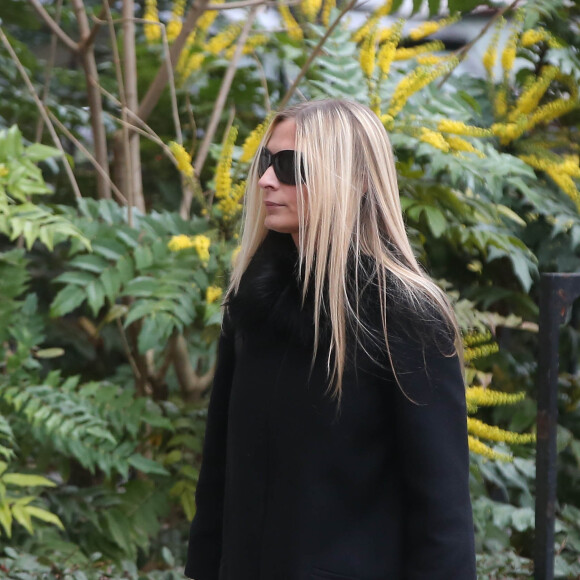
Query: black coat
292, 489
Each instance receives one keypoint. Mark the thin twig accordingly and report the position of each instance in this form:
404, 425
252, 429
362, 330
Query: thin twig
264, 83
88, 155
314, 54
66, 39
249, 3
127, 348
88, 41
223, 94
48, 72
171, 82
43, 111
462, 52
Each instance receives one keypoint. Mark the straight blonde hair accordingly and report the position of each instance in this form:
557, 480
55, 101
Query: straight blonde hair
353, 210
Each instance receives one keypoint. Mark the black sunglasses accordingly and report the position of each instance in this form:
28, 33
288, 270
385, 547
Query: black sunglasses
283, 163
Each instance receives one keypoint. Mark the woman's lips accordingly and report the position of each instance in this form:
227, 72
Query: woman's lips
272, 204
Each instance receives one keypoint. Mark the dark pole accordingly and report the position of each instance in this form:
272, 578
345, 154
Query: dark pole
557, 292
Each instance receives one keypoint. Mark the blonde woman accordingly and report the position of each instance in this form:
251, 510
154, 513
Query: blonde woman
336, 443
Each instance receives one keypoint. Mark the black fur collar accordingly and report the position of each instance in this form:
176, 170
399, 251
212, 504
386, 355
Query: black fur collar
270, 292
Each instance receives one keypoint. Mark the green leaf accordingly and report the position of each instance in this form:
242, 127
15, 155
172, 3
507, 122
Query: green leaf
23, 518
89, 262
146, 465
45, 516
38, 152
66, 301
49, 352
95, 296
27, 480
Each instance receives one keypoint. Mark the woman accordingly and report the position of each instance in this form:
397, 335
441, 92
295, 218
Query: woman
336, 443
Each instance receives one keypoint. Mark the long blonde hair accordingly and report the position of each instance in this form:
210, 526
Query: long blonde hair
353, 211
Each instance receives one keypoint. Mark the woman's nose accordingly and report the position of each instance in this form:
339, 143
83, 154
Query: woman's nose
268, 179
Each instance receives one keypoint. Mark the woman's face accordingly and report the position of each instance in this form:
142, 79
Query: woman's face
280, 199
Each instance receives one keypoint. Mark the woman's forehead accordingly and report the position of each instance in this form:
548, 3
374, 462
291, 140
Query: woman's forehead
283, 136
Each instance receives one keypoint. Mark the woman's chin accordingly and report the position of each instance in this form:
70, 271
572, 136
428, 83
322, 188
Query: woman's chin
279, 226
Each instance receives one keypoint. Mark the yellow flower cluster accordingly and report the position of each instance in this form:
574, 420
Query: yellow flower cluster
476, 337
327, 8
253, 42
388, 121
253, 141
293, 28
174, 25
389, 47
460, 128
206, 20
530, 98
508, 132
4, 171
476, 352
508, 56
434, 139
482, 397
310, 8
429, 59
492, 433
480, 448
459, 144
182, 159
500, 103
415, 81
491, 52
191, 63
407, 53
431, 27
200, 243
552, 110
368, 55
212, 294
223, 180
533, 36
223, 39
152, 28
231, 204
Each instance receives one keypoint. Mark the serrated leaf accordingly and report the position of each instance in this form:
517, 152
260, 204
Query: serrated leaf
146, 465
45, 516
49, 352
66, 301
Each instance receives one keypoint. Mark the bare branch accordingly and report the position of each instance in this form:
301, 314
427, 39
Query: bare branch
462, 52
88, 41
156, 87
48, 72
65, 38
42, 110
223, 94
88, 155
314, 54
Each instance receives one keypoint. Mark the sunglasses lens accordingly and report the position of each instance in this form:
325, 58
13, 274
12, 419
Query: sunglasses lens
264, 162
284, 167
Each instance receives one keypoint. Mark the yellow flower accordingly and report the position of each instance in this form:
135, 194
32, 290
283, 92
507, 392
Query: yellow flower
310, 8
388, 121
175, 21
483, 397
460, 128
327, 8
223, 180
491, 52
406, 53
223, 39
191, 63
152, 28
551, 111
500, 103
508, 132
532, 95
253, 141
200, 243
415, 81
477, 352
428, 28
480, 448
508, 56
389, 48
459, 144
206, 20
477, 337
4, 171
251, 43
182, 158
492, 433
429, 59
212, 294
293, 28
384, 9
368, 53
434, 139
533, 36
